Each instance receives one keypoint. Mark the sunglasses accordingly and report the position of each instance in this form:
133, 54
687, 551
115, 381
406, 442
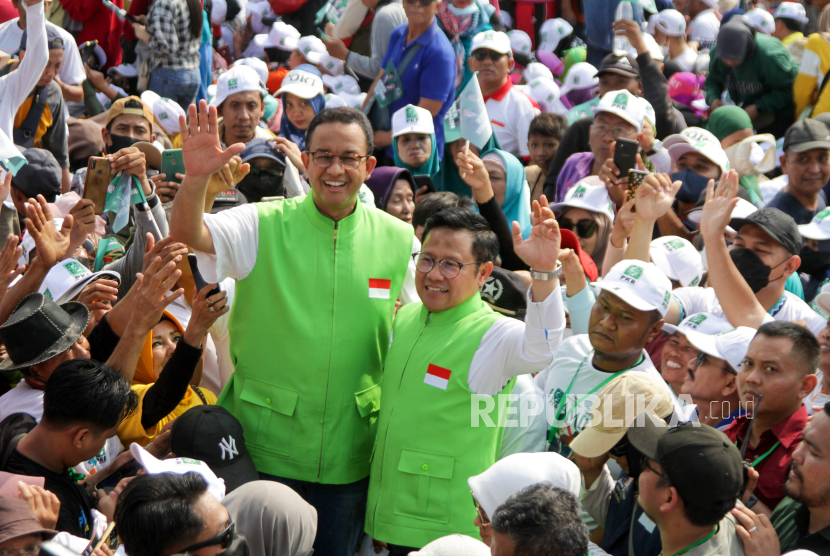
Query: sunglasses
583, 228
481, 517
223, 539
620, 449
483, 53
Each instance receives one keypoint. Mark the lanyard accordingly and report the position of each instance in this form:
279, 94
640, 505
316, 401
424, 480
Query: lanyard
763, 456
698, 543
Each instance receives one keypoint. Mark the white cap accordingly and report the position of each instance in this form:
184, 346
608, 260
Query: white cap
655, 51
334, 101
412, 119
66, 279
149, 98
353, 101
641, 285
218, 11
711, 3
260, 67
492, 40
520, 41
334, 66
671, 23
791, 10
282, 36
546, 94
301, 84
105, 100
650, 116
553, 31
678, 259
342, 84
731, 346
517, 471
704, 323
582, 75
236, 80
762, 20
312, 48
625, 105
127, 70
454, 545
167, 114
818, 228
588, 194
179, 466
534, 70
743, 209
695, 139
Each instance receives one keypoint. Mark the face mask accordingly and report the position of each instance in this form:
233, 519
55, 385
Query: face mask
753, 269
665, 51
238, 546
120, 142
469, 10
263, 185
693, 185
579, 96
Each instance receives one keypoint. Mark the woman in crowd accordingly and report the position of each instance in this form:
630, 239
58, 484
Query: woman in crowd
587, 211
461, 20
448, 177
394, 191
507, 176
413, 141
302, 98
731, 125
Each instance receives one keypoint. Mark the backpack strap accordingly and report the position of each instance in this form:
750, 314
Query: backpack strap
200, 394
25, 134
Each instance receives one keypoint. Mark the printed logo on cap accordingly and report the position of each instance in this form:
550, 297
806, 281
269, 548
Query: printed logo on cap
576, 80
632, 274
695, 281
411, 115
232, 83
823, 214
696, 321
579, 192
228, 446
163, 116
666, 300
282, 41
673, 244
48, 294
621, 101
624, 61
330, 65
76, 269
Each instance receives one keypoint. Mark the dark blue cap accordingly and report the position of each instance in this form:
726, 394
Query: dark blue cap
261, 148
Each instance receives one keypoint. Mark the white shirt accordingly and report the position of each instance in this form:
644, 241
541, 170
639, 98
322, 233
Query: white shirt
510, 112
530, 438
686, 60
72, 71
771, 188
703, 300
704, 29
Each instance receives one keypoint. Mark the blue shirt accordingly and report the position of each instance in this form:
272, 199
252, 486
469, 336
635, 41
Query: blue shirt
430, 74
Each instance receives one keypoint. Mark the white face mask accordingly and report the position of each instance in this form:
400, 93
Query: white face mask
665, 51
469, 10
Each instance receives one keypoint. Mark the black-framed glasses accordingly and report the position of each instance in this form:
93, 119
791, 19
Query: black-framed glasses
31, 550
620, 449
448, 267
423, 3
647, 465
222, 540
583, 228
482, 517
324, 159
482, 53
702, 359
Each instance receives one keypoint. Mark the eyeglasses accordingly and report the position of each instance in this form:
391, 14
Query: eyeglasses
483, 53
223, 539
448, 267
702, 360
620, 449
646, 465
482, 517
423, 3
324, 159
601, 130
32, 550
583, 228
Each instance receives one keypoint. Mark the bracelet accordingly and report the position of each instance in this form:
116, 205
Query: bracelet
544, 276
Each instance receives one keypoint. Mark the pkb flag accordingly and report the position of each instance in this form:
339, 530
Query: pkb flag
475, 123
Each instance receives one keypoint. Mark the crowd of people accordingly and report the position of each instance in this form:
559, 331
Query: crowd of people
435, 277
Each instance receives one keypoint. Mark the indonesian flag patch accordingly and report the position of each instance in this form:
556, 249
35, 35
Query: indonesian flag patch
379, 288
437, 376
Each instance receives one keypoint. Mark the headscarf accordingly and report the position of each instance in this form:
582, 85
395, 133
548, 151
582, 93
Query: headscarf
431, 166
604, 229
516, 205
460, 30
736, 39
275, 519
144, 373
824, 21
289, 130
382, 182
726, 120
448, 177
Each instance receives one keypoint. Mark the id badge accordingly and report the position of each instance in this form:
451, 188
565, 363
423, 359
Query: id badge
389, 88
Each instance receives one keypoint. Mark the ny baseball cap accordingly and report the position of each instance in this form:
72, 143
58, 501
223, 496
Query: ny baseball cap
180, 466
671, 23
534, 70
819, 226
492, 40
520, 42
622, 65
238, 79
700, 461
778, 224
641, 285
695, 139
762, 20
582, 75
678, 259
612, 419
304, 81
119, 107
730, 345
66, 279
342, 84
791, 10
209, 433
704, 323
552, 32
807, 134
334, 66
412, 119
312, 48
588, 194
281, 35
623, 104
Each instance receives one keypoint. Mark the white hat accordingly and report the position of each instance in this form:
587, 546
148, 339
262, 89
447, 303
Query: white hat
520, 41
517, 471
105, 100
66, 279
454, 545
671, 23
282, 36
703, 323
218, 11
582, 75
625, 105
743, 209
650, 116
149, 98
342, 84
236, 80
258, 10
167, 114
553, 31
652, 23
546, 94
492, 40
334, 101
260, 67
179, 466
534, 70
791, 10
301, 84
762, 20
731, 346
678, 259
334, 66
412, 119
641, 285
127, 70
353, 101
818, 228
588, 194
655, 51
695, 139
711, 3
312, 48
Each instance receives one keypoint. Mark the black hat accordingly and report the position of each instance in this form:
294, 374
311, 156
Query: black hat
506, 293
778, 224
227, 199
40, 329
807, 134
700, 461
623, 65
53, 39
41, 176
210, 434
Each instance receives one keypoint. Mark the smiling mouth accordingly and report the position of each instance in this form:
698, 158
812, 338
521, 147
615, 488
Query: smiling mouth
335, 185
435, 290
673, 365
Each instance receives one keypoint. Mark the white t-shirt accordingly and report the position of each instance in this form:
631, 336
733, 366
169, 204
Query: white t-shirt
704, 29
510, 113
532, 438
703, 300
686, 60
72, 71
770, 188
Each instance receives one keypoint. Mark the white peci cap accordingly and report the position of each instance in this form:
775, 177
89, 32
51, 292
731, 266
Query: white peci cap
238, 79
312, 48
412, 119
641, 285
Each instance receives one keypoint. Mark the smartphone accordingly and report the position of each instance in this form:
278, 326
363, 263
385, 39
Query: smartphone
197, 276
422, 180
635, 178
98, 177
625, 155
172, 164
97, 541
321, 33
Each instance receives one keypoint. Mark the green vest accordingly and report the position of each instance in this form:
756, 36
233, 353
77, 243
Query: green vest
308, 336
426, 446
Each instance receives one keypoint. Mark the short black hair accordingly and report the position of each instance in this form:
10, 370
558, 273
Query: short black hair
485, 242
792, 24
548, 125
345, 116
805, 346
435, 203
130, 104
543, 520
84, 391
155, 513
698, 516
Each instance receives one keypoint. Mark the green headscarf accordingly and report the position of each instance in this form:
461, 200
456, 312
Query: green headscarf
431, 166
725, 121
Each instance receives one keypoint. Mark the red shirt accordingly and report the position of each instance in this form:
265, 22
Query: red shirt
7, 12
774, 468
99, 24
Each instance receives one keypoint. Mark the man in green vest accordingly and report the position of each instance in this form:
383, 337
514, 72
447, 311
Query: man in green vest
317, 280
452, 359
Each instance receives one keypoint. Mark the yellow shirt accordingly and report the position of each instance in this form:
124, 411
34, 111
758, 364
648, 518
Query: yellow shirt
815, 63
131, 430
793, 37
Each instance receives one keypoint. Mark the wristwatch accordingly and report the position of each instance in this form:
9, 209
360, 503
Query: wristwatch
544, 276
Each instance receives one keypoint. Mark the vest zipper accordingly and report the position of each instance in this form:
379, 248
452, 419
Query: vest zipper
429, 313
326, 398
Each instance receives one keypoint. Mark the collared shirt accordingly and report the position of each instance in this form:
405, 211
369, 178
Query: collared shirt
791, 521
578, 166
171, 44
774, 467
793, 37
510, 112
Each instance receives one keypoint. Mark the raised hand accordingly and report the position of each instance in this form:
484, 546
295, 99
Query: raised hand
95, 295
229, 176
206, 310
83, 215
473, 171
6, 186
167, 249
291, 152
655, 196
623, 225
151, 293
720, 202
541, 249
756, 532
9, 269
52, 245
45, 505
201, 148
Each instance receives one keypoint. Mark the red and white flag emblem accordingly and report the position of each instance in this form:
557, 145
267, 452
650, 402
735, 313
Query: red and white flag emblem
437, 376
379, 288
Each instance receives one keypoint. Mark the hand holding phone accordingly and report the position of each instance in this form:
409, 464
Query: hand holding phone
98, 177
625, 156
172, 163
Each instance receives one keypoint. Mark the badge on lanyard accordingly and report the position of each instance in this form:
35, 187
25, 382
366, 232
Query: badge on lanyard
389, 88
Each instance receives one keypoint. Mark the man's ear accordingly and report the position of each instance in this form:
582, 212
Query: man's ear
731, 386
371, 163
808, 384
783, 161
511, 63
484, 272
655, 329
671, 501
106, 136
81, 434
791, 265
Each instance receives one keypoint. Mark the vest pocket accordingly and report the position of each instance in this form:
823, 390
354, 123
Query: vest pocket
424, 486
270, 409
366, 423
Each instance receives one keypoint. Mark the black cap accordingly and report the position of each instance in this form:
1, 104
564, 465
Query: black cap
41, 176
807, 134
53, 40
778, 224
210, 434
623, 65
228, 199
506, 293
700, 461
